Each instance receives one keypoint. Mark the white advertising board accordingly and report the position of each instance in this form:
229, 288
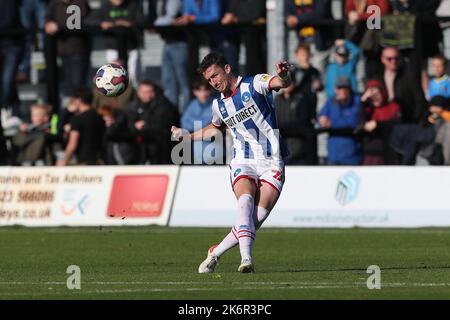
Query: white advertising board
324, 197
86, 196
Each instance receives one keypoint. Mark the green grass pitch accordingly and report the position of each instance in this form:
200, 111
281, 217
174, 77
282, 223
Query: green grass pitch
161, 263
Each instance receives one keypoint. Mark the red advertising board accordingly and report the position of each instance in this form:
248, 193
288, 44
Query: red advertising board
138, 196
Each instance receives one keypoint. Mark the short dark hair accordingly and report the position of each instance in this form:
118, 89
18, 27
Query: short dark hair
150, 83
84, 94
439, 101
211, 59
441, 57
200, 82
147, 82
303, 46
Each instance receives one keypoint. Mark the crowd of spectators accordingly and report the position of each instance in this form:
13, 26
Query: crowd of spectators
381, 95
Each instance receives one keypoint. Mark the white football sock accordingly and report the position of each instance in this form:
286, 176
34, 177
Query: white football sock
231, 239
227, 243
245, 225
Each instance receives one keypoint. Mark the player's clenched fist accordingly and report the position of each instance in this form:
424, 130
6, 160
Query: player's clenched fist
282, 68
177, 133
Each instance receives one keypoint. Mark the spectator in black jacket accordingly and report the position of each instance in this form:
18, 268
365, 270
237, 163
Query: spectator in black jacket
74, 49
251, 12
121, 20
299, 14
120, 142
11, 48
150, 114
402, 87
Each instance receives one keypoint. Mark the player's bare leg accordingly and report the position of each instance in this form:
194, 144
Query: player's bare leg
266, 198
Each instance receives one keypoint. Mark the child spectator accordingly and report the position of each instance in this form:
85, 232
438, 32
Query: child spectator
439, 85
346, 57
305, 76
33, 141
198, 115
377, 118
341, 112
296, 109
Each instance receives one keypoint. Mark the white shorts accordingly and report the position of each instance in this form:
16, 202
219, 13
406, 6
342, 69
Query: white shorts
268, 171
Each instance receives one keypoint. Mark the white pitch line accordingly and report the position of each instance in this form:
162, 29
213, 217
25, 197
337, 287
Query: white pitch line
262, 283
161, 290
174, 283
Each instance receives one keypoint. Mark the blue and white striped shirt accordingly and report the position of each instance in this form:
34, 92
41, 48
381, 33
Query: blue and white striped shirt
250, 114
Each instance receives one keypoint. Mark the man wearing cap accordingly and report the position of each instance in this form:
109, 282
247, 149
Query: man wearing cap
341, 111
346, 56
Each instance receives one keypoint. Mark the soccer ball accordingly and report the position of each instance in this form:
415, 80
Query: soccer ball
111, 80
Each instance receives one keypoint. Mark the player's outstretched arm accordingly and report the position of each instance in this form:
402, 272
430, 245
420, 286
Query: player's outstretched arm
283, 78
205, 133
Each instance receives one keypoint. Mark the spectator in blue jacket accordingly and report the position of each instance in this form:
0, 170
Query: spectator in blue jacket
198, 115
202, 12
341, 111
346, 57
199, 12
